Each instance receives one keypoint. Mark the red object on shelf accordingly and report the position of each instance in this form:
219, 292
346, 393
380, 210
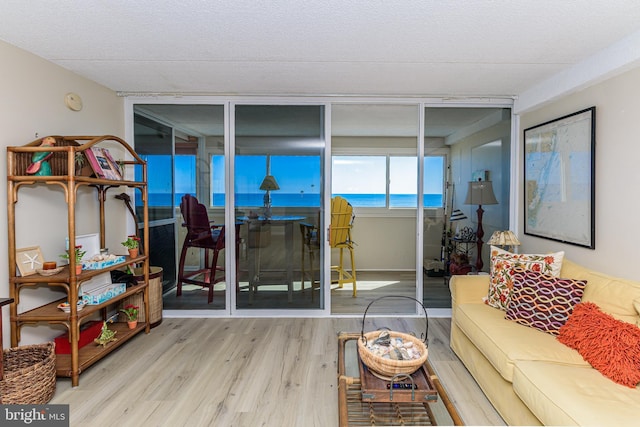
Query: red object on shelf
87, 335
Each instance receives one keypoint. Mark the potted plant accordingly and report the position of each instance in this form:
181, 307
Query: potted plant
78, 254
82, 165
131, 313
132, 243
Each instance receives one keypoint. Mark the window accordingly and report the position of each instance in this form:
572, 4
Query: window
159, 184
433, 184
403, 182
362, 180
217, 180
297, 176
359, 179
185, 176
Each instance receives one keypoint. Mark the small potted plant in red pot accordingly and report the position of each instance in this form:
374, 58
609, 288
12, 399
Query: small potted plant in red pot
131, 313
132, 244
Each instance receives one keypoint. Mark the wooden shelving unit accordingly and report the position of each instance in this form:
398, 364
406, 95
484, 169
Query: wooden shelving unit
64, 174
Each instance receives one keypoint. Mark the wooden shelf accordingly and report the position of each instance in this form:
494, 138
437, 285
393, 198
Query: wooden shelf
62, 158
51, 313
77, 179
63, 276
91, 353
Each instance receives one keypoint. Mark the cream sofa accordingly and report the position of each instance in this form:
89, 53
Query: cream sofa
529, 376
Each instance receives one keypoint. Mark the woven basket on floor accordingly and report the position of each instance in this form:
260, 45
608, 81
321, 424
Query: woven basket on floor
29, 374
388, 368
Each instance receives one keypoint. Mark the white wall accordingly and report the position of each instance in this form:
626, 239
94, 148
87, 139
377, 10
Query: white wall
33, 91
617, 175
466, 156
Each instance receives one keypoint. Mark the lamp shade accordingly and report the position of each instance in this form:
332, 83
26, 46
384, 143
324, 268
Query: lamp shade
480, 193
269, 183
457, 215
503, 238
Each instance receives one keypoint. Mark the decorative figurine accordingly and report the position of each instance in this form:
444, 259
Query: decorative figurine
106, 336
39, 165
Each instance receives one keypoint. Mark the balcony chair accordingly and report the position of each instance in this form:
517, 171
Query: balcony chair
201, 234
340, 238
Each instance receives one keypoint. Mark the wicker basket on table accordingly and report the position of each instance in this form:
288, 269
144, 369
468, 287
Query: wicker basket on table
29, 374
387, 368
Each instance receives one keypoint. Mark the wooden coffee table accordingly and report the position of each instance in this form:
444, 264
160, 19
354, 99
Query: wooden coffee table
365, 400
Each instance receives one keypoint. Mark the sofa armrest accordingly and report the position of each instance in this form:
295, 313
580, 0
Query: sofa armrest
469, 289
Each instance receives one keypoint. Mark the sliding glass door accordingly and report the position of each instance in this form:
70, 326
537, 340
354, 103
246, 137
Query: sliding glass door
375, 167
154, 143
278, 192
260, 171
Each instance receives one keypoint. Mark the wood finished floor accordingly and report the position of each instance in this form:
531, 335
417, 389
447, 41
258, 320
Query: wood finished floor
244, 372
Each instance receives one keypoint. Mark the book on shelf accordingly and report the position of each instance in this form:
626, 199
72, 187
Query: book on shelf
102, 163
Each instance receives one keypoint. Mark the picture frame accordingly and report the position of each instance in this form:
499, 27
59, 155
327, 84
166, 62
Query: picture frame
90, 244
102, 163
28, 260
559, 179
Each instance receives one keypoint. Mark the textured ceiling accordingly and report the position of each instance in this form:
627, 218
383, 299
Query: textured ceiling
329, 47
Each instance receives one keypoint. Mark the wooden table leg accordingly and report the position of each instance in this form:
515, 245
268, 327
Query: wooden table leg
457, 421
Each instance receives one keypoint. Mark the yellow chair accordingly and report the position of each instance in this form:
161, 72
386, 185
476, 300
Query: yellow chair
340, 238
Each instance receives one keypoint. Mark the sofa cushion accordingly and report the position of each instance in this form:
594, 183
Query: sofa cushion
609, 345
542, 302
504, 342
613, 295
560, 394
503, 262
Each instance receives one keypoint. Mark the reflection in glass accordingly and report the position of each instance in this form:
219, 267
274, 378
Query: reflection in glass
278, 191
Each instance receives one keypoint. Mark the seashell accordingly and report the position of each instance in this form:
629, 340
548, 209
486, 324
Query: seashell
395, 355
383, 339
405, 354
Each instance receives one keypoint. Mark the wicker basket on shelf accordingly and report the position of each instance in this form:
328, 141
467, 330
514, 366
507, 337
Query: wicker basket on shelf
387, 368
29, 374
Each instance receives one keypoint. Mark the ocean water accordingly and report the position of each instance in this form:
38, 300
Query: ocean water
309, 199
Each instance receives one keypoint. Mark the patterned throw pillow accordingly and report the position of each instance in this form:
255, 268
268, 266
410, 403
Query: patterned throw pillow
610, 345
502, 262
542, 302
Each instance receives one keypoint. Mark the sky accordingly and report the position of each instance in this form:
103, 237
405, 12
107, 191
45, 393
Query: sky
296, 174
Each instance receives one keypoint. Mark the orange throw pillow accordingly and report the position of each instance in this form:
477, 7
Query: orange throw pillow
611, 346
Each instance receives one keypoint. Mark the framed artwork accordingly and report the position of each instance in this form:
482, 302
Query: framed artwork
90, 244
102, 163
28, 260
559, 184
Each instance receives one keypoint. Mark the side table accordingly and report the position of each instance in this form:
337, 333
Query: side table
366, 400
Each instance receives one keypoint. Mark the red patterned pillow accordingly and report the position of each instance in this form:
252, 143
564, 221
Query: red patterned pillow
542, 302
611, 346
502, 262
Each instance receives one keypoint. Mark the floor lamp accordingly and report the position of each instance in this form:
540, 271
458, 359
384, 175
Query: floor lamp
480, 193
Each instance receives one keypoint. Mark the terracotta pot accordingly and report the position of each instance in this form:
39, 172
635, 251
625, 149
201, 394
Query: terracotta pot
132, 324
133, 253
78, 269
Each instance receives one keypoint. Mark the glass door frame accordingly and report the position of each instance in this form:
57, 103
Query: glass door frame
229, 103
230, 218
